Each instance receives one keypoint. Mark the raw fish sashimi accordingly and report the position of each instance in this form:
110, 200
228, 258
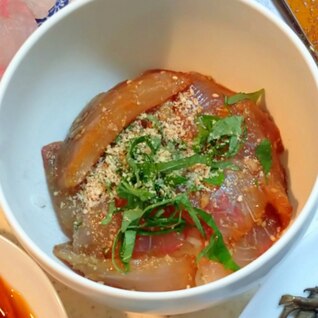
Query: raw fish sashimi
168, 174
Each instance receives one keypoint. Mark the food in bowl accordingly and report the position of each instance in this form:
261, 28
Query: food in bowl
12, 303
168, 181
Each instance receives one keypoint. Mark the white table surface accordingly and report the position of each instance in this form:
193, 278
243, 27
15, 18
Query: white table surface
78, 306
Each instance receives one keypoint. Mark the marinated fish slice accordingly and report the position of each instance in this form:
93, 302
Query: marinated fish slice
259, 239
209, 271
210, 95
278, 198
158, 245
233, 216
238, 206
260, 125
104, 118
65, 206
91, 236
146, 274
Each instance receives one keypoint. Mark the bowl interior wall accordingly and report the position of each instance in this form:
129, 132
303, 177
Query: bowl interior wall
103, 43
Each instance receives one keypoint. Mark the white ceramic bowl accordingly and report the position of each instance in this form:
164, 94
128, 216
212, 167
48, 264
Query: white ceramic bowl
21, 273
92, 45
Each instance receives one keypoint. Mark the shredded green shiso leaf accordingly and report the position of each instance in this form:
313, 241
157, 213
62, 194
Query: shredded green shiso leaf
255, 97
150, 185
263, 153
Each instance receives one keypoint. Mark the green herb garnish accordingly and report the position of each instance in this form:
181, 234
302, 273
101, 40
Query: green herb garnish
216, 250
166, 167
133, 194
216, 179
110, 213
229, 130
263, 153
157, 191
255, 97
127, 247
220, 136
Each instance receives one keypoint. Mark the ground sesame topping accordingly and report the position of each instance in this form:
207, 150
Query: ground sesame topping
173, 124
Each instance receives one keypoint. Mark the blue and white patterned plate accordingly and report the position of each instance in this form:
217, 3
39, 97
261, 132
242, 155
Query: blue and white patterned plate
59, 4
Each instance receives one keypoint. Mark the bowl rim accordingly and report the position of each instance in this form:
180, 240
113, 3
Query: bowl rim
69, 277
